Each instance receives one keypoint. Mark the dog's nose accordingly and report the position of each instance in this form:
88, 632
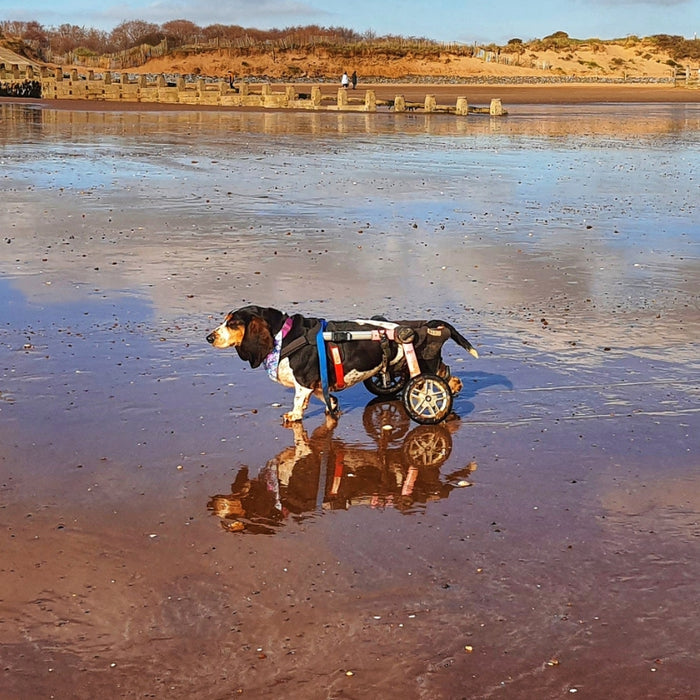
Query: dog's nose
210, 338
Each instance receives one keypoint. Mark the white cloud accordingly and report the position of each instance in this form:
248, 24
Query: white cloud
248, 13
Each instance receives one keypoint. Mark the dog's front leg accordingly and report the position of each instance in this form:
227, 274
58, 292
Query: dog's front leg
334, 409
301, 400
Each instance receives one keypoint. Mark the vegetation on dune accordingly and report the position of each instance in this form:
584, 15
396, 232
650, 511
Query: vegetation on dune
678, 47
131, 43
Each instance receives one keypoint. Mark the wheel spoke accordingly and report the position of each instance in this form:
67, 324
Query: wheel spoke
423, 402
428, 398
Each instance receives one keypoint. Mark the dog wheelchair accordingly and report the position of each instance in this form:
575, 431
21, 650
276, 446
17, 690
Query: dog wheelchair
419, 377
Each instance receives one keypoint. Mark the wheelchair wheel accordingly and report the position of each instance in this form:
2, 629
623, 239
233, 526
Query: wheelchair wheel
385, 419
428, 446
427, 399
377, 386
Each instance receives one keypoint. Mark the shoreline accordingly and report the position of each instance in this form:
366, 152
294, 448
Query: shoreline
539, 94
547, 94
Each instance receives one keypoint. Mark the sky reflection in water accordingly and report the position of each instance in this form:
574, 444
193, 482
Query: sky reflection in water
564, 236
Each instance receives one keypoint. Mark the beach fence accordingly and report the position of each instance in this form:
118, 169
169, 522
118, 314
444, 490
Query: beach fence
687, 77
122, 87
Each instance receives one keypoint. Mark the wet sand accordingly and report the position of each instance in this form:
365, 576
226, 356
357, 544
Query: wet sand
543, 542
445, 94
543, 94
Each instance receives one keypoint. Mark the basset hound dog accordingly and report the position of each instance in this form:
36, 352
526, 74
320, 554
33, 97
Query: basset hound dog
287, 347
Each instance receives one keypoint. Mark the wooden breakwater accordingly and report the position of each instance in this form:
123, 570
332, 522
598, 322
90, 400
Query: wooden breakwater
54, 84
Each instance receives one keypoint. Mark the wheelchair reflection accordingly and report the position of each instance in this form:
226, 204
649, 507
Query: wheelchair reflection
401, 470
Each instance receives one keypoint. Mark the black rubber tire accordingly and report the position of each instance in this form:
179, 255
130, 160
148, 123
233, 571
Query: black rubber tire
381, 412
397, 382
427, 399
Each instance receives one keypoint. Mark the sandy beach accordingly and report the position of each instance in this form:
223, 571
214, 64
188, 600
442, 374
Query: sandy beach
545, 94
165, 535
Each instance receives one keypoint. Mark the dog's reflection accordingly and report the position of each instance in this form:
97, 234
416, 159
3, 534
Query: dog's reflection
321, 472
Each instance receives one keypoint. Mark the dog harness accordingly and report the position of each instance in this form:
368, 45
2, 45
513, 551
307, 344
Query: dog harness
334, 350
323, 363
337, 366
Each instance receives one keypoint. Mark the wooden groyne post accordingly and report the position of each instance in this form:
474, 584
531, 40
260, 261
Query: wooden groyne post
120, 87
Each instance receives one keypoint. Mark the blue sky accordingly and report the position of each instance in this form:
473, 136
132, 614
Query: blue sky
443, 20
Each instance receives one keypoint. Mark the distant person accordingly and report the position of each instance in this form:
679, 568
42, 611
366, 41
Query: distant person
344, 80
353, 79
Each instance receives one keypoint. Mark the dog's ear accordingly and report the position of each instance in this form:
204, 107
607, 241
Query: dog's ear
273, 317
257, 342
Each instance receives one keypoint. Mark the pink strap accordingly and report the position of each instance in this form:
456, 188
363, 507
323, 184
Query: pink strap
287, 326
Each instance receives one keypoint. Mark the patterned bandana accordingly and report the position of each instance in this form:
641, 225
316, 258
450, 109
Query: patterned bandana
272, 361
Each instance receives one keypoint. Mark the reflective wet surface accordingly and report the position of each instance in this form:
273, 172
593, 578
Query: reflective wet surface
164, 534
402, 470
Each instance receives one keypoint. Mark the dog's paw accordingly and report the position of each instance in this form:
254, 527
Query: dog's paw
334, 408
331, 421
291, 417
455, 384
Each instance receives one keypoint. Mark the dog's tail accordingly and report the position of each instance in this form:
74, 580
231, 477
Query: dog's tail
460, 339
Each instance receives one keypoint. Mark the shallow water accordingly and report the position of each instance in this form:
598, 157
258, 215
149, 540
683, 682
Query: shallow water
555, 521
